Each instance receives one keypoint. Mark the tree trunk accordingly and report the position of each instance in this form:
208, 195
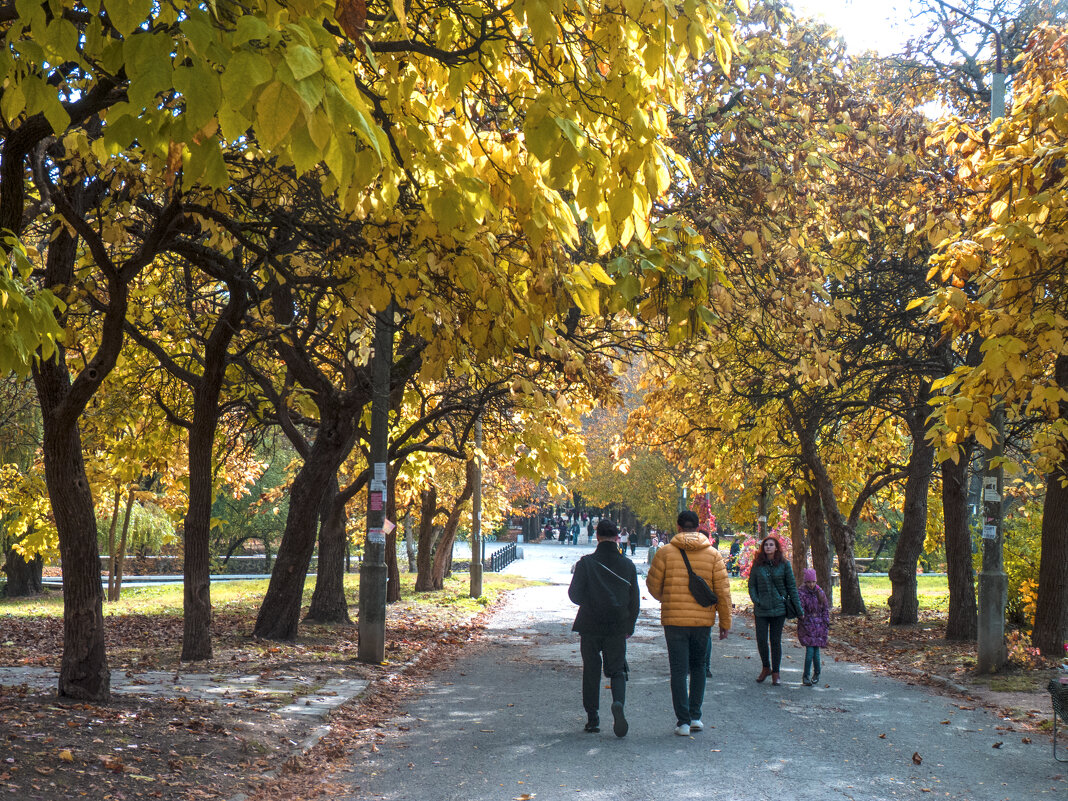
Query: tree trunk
120, 557
23, 578
904, 603
409, 539
328, 603
83, 672
962, 623
424, 582
1051, 613
196, 629
817, 542
799, 557
842, 534
443, 554
393, 593
279, 614
111, 542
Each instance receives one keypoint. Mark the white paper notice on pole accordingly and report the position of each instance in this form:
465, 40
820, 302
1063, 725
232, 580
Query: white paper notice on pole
380, 472
991, 496
990, 532
378, 486
388, 526
376, 535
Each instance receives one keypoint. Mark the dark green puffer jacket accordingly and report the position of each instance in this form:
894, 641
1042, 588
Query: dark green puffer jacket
769, 586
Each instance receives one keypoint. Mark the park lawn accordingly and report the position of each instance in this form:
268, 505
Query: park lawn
144, 628
932, 592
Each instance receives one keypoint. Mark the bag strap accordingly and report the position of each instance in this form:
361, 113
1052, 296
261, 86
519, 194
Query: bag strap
610, 570
686, 559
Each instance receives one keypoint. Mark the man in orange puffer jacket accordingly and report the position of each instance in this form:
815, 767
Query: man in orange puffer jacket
687, 624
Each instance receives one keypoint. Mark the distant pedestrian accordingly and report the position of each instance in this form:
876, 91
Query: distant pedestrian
623, 541
687, 623
773, 592
633, 543
574, 532
732, 560
605, 587
813, 627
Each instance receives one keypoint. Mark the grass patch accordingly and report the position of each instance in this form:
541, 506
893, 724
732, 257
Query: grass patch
144, 628
932, 592
247, 595
1009, 683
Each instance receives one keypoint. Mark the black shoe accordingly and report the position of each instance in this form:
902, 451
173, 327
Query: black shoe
619, 722
592, 727
816, 680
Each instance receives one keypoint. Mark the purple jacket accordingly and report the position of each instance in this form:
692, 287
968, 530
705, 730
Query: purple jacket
812, 628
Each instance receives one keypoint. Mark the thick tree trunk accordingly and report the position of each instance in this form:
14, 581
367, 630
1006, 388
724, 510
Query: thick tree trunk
799, 556
904, 602
841, 533
23, 578
83, 672
328, 603
279, 614
817, 542
424, 581
443, 554
962, 623
196, 630
1051, 614
393, 593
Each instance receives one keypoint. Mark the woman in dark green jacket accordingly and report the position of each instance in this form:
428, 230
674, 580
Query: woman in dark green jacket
771, 589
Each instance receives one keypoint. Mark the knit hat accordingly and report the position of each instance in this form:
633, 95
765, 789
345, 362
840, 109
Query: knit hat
809, 574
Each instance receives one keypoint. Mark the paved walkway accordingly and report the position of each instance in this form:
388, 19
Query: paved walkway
505, 722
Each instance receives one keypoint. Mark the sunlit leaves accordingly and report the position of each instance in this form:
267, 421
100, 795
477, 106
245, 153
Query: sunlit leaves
1004, 272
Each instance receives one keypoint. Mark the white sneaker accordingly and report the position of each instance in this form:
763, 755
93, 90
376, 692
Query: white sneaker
696, 725
683, 730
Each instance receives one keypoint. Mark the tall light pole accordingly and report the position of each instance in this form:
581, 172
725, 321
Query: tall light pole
373, 571
476, 516
993, 581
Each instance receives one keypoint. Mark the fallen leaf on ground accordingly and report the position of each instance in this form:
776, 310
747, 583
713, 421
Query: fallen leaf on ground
917, 758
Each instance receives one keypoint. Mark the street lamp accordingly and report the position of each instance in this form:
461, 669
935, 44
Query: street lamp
993, 581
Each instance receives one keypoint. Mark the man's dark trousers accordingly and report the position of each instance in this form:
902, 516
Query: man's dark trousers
686, 647
612, 648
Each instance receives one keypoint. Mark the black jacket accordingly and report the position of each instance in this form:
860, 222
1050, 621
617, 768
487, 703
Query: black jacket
605, 587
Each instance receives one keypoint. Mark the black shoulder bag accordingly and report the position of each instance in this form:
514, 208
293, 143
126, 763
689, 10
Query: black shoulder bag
699, 588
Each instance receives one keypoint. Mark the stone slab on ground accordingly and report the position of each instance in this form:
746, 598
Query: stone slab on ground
287, 694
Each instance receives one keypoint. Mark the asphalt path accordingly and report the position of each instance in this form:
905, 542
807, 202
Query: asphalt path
505, 722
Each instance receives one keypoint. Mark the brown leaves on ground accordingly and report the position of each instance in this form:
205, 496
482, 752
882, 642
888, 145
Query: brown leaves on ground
892, 648
919, 652
179, 749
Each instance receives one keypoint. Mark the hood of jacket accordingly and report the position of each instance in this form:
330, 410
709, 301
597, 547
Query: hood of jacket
690, 541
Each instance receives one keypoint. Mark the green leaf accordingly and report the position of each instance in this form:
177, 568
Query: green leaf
249, 28
276, 111
245, 71
128, 15
303, 61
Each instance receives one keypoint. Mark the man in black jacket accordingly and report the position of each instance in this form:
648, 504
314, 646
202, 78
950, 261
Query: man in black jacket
605, 587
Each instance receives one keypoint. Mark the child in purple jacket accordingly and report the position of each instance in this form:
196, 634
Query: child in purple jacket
812, 628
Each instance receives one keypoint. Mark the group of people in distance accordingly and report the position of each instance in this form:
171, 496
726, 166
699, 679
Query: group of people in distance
605, 587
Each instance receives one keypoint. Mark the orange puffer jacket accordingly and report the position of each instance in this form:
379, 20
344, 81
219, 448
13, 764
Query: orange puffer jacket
669, 582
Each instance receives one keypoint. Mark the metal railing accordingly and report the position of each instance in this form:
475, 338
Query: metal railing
500, 559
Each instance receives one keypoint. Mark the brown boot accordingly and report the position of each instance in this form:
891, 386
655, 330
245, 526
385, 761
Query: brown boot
775, 679
764, 673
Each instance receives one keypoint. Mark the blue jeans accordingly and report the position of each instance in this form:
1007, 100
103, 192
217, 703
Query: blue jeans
686, 647
770, 628
812, 661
